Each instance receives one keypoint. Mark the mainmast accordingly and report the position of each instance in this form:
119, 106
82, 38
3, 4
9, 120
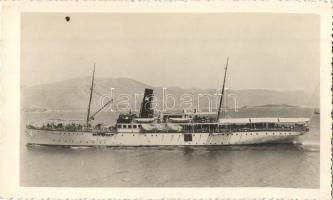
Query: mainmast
222, 92
91, 92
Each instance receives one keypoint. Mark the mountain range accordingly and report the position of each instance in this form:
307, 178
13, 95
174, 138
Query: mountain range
73, 95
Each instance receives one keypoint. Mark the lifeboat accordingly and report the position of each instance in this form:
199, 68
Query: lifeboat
174, 127
144, 120
161, 127
179, 120
148, 127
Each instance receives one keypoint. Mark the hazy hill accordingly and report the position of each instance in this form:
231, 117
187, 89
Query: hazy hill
74, 94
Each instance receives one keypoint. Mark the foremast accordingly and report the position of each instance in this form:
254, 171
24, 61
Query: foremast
90, 97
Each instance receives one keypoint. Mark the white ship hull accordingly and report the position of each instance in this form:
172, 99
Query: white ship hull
43, 137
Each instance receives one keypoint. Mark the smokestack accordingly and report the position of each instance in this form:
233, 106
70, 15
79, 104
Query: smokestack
146, 110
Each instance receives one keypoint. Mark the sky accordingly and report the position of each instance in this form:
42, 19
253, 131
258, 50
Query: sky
266, 51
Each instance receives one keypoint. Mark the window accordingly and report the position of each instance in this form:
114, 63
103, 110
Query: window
124, 126
139, 125
119, 126
129, 126
134, 126
187, 137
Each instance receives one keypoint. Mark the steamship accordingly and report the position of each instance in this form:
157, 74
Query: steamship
167, 129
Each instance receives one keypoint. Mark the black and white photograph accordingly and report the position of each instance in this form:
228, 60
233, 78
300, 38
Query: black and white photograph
170, 100
131, 100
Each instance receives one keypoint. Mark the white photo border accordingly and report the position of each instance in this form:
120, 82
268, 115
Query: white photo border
10, 98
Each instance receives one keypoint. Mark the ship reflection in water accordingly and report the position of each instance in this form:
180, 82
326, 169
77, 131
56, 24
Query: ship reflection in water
271, 165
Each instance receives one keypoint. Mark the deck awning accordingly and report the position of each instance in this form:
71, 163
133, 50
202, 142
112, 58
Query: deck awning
262, 120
